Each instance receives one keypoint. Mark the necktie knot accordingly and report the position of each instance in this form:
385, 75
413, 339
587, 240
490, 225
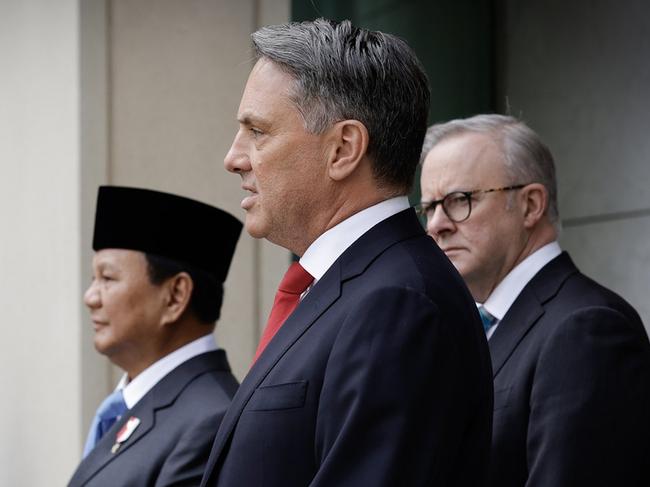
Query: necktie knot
487, 319
296, 280
113, 406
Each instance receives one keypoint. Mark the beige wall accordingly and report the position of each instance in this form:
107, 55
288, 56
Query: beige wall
140, 93
39, 247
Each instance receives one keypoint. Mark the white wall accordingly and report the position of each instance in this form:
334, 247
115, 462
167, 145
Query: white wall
40, 353
578, 73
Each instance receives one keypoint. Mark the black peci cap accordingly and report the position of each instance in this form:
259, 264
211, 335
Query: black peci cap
167, 225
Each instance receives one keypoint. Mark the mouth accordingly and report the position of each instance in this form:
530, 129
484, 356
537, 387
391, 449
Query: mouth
248, 202
97, 324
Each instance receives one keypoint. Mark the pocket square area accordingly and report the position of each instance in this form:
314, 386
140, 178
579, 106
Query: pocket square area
278, 396
501, 398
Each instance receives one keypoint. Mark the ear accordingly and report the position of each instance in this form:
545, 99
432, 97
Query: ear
535, 201
178, 292
349, 145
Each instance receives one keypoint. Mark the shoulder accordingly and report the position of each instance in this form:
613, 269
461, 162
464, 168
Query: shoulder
411, 285
560, 292
563, 316
214, 385
203, 379
180, 414
417, 262
580, 297
587, 323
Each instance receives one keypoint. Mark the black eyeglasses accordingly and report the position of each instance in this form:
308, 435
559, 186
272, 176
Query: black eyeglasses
457, 205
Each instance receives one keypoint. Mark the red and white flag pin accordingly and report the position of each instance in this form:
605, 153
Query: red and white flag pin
125, 432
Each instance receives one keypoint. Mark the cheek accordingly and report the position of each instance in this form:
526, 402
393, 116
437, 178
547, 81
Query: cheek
474, 237
277, 190
125, 306
478, 247
493, 245
268, 185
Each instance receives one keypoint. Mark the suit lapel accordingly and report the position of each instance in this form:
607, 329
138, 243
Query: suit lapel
101, 455
523, 314
324, 293
320, 297
528, 308
160, 396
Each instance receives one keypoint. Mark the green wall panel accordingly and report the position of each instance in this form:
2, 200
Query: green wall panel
452, 38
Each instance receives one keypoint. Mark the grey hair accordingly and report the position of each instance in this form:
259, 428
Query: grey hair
344, 72
526, 158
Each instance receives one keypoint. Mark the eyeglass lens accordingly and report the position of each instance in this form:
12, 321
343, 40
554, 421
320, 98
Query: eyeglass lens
457, 206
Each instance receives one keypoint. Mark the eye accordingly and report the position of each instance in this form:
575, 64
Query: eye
457, 199
255, 132
430, 208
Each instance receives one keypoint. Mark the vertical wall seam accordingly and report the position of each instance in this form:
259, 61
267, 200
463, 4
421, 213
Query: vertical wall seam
110, 76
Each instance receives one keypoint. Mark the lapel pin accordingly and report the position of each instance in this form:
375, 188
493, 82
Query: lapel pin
125, 433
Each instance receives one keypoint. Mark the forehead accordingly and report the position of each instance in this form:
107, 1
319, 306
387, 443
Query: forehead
267, 91
464, 162
121, 259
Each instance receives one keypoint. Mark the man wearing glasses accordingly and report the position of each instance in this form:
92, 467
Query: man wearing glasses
571, 359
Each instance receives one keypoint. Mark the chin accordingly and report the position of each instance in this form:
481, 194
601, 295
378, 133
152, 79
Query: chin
254, 227
101, 343
99, 347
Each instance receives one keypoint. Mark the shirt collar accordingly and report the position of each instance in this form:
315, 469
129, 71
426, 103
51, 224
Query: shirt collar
322, 253
499, 302
136, 389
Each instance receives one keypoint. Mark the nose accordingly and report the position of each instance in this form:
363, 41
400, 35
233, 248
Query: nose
439, 223
91, 296
237, 160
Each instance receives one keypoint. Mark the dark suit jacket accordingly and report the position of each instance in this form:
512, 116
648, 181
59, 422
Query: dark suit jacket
571, 364
179, 417
380, 377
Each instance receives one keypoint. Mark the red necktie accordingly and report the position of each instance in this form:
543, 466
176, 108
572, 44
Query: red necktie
293, 284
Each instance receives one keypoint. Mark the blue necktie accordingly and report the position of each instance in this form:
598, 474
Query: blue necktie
108, 412
487, 319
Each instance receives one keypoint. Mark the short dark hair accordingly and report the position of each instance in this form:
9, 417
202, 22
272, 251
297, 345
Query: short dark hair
207, 294
344, 72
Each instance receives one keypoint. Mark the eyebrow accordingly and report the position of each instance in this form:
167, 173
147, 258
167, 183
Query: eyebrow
244, 120
249, 119
422, 201
106, 266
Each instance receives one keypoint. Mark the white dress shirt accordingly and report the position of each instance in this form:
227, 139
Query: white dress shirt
324, 251
136, 389
499, 302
